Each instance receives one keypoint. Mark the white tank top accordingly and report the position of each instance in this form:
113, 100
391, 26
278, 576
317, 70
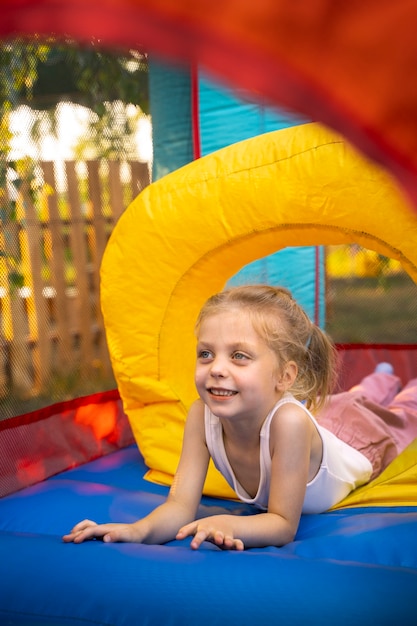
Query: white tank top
342, 468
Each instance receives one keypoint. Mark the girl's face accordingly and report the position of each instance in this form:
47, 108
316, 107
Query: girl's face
237, 374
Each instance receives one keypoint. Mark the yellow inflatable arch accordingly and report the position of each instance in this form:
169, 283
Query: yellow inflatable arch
185, 235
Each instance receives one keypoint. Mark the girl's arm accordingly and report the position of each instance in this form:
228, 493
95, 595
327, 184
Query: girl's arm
180, 508
290, 441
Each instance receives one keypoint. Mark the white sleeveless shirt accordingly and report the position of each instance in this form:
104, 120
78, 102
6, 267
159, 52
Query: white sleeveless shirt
342, 468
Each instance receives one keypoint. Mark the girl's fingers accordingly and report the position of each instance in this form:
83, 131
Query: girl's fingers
199, 538
86, 523
187, 530
226, 542
86, 529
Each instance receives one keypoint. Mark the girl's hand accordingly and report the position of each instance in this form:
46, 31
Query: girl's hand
109, 533
217, 529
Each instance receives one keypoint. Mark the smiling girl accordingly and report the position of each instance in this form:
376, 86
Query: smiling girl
262, 369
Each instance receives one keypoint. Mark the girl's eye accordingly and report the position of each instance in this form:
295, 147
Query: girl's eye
204, 354
239, 356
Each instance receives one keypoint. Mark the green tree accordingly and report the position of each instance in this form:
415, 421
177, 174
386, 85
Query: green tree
18, 73
41, 74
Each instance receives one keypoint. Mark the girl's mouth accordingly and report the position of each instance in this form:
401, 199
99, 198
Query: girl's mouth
222, 392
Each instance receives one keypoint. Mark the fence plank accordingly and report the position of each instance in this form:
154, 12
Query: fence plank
82, 309
30, 243
57, 260
14, 319
116, 190
5, 314
99, 232
98, 243
140, 177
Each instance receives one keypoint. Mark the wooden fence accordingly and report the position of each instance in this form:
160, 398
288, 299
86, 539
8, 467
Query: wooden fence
50, 254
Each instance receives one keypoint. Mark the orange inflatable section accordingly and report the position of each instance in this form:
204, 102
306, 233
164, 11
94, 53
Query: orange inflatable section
351, 65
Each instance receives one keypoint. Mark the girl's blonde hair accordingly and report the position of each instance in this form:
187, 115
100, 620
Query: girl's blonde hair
286, 328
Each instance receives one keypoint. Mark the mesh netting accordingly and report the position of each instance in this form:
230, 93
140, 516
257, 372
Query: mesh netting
370, 299
72, 161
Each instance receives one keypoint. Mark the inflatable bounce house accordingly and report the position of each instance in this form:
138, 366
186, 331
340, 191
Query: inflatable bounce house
224, 207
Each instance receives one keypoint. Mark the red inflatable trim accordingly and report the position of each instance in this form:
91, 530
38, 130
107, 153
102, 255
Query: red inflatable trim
358, 360
46, 442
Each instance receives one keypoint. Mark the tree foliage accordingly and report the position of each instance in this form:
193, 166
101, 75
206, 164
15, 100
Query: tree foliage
41, 74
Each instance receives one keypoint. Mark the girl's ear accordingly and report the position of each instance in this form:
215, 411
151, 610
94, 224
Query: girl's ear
287, 376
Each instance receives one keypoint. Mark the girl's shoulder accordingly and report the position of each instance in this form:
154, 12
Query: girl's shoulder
196, 412
291, 415
197, 406
289, 405
194, 424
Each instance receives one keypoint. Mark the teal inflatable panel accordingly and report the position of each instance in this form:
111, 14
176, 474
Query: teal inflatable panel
170, 104
227, 116
299, 269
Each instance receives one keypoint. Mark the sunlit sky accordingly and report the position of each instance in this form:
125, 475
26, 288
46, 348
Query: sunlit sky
71, 124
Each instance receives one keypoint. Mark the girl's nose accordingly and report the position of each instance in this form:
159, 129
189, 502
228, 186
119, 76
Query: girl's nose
218, 369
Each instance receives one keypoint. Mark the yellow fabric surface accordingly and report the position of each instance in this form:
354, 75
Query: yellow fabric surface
396, 486
185, 235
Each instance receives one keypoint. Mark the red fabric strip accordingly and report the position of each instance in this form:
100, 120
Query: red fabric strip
41, 444
195, 113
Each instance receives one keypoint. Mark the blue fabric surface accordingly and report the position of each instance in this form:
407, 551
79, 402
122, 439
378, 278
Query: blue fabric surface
345, 567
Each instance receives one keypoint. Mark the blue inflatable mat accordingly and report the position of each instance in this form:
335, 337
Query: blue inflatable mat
348, 567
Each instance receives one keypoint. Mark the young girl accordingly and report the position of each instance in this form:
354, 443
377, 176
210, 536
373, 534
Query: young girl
261, 366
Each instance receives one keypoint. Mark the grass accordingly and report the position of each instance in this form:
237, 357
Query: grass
372, 309
60, 389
